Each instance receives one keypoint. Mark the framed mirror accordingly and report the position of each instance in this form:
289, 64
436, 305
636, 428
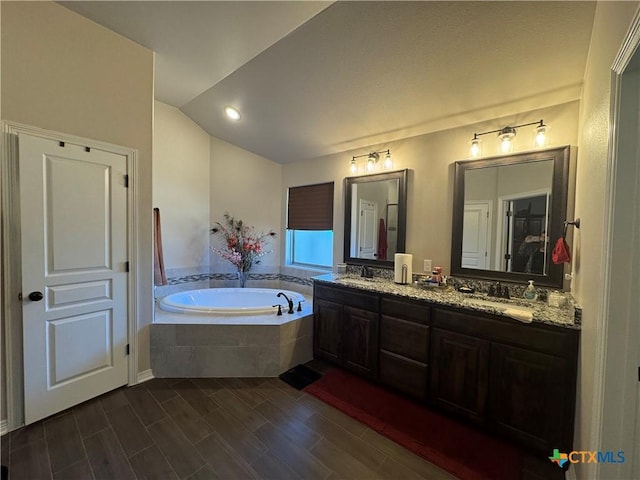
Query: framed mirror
375, 218
508, 212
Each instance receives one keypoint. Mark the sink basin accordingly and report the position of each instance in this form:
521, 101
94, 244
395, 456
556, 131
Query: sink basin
518, 312
356, 281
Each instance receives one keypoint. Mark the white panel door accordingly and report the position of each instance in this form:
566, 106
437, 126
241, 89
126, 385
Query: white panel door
367, 233
73, 207
475, 253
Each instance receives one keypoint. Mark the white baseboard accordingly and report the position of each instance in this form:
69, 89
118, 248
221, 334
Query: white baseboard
145, 376
4, 427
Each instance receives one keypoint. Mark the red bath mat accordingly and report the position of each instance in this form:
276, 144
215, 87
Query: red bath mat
461, 450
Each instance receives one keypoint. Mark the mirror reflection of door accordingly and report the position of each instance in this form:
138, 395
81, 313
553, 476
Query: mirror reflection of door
525, 224
367, 230
476, 237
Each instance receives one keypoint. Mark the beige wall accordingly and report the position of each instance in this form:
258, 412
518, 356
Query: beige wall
181, 164
610, 25
248, 187
430, 160
65, 73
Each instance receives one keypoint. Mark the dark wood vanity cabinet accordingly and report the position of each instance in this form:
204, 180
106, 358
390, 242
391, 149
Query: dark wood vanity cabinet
345, 330
327, 330
517, 380
460, 373
531, 397
360, 341
404, 346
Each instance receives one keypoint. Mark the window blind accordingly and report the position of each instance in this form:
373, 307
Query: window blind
310, 207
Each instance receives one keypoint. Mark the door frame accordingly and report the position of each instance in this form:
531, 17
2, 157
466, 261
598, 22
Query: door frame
11, 258
501, 224
616, 326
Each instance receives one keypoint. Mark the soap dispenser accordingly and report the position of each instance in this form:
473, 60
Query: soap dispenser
530, 292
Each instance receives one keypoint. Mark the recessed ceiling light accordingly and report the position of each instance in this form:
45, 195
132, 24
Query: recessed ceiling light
232, 113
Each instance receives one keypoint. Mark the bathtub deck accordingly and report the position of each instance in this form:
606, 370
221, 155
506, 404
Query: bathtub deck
192, 346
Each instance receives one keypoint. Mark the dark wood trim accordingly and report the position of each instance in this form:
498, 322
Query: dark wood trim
558, 214
401, 175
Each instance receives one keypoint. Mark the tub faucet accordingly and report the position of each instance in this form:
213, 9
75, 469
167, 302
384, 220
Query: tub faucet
289, 301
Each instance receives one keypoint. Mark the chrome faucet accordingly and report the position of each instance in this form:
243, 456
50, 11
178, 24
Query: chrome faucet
289, 301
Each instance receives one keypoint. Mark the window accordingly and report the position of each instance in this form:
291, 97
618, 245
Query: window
310, 225
310, 247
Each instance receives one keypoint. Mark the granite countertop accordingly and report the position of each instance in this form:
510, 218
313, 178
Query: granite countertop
519, 309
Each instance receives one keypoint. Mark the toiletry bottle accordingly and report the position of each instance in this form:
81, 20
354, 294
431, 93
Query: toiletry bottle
530, 292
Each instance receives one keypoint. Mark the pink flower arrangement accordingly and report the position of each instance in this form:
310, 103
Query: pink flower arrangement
241, 245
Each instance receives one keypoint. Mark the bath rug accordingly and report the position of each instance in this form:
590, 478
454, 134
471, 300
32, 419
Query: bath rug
300, 376
455, 447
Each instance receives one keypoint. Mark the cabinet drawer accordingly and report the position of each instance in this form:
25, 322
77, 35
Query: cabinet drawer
539, 337
403, 374
406, 309
405, 338
347, 296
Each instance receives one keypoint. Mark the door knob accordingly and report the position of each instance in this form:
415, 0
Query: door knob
36, 296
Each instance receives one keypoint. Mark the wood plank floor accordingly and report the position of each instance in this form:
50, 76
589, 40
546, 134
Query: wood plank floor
256, 428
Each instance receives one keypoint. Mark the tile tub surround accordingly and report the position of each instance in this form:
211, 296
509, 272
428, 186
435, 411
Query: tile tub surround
192, 346
287, 279
542, 313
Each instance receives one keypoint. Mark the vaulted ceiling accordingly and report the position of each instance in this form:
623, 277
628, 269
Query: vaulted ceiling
314, 78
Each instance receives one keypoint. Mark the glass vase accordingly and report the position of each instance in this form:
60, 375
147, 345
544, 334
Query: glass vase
242, 278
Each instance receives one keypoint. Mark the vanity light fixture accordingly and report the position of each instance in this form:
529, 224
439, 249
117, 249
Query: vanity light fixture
354, 166
232, 113
372, 161
506, 136
388, 163
540, 137
476, 146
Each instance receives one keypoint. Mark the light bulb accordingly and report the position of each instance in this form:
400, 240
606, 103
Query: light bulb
388, 163
540, 138
354, 167
506, 136
475, 147
232, 113
370, 164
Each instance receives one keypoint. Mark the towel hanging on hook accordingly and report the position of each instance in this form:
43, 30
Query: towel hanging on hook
562, 252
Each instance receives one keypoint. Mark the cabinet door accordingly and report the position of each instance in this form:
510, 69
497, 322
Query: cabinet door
459, 373
531, 399
327, 330
360, 341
